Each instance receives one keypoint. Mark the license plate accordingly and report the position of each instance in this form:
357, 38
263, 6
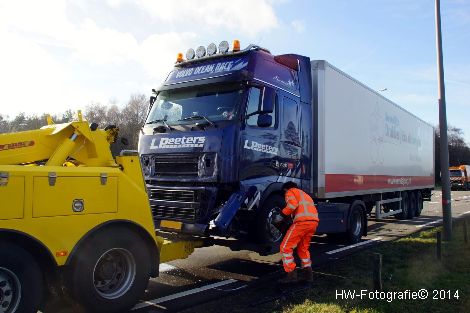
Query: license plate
171, 224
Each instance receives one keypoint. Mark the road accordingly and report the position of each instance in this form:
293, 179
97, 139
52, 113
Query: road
213, 272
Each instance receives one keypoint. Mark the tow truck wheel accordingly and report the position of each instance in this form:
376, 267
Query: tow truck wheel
110, 272
21, 281
265, 231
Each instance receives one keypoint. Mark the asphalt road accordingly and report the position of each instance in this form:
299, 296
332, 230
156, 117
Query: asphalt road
213, 272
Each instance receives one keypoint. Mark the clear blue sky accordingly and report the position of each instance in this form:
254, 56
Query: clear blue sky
67, 54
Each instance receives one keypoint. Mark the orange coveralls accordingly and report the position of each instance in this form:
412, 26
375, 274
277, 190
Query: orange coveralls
300, 206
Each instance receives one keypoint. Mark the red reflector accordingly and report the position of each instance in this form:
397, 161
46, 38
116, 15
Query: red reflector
288, 60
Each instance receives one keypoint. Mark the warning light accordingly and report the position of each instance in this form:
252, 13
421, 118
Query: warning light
236, 45
179, 57
61, 253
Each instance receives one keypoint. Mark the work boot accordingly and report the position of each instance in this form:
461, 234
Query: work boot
290, 278
306, 275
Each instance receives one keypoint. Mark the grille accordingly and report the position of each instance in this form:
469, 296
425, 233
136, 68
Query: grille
181, 205
176, 165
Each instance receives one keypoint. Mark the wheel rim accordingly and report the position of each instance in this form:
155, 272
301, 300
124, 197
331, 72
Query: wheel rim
114, 273
357, 224
10, 291
274, 234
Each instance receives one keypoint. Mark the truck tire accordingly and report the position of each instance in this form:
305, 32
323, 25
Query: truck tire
110, 271
419, 203
21, 280
405, 206
356, 222
413, 208
266, 233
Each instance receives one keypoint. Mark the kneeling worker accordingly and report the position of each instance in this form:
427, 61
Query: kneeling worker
299, 206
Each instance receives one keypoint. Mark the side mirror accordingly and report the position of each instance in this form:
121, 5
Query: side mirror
268, 100
265, 120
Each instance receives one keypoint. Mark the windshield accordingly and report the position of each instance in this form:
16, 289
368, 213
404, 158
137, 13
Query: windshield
455, 173
215, 103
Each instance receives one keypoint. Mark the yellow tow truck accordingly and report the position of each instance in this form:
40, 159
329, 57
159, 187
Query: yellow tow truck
72, 215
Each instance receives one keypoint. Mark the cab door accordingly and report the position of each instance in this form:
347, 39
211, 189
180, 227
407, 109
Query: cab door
260, 135
290, 143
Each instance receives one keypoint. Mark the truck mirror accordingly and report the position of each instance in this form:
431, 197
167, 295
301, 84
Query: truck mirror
265, 120
268, 100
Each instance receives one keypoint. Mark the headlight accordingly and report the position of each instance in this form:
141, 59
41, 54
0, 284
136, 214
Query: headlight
223, 46
201, 51
211, 49
190, 54
147, 165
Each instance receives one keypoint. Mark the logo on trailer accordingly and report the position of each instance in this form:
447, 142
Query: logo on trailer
181, 142
16, 145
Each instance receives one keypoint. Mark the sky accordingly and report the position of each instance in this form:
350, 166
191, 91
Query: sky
57, 55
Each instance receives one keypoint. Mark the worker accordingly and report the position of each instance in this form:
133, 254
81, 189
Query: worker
299, 207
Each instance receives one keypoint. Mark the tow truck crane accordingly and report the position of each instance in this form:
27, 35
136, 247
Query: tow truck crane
73, 216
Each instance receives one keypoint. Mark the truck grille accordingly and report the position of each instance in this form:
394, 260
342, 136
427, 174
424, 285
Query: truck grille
181, 205
176, 165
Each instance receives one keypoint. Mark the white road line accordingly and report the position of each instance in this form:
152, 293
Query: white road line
430, 223
354, 246
433, 202
164, 267
183, 294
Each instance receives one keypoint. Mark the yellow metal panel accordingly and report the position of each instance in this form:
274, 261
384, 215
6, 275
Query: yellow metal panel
178, 249
57, 199
171, 224
12, 197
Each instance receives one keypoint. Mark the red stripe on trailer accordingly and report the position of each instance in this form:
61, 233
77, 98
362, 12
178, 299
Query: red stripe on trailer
350, 182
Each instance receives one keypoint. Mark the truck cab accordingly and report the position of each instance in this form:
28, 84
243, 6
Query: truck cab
224, 132
459, 177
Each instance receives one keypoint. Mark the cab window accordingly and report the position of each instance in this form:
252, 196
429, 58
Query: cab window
254, 104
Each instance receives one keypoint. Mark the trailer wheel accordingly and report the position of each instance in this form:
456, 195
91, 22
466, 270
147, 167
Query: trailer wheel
21, 280
419, 203
413, 208
356, 222
265, 231
405, 206
110, 272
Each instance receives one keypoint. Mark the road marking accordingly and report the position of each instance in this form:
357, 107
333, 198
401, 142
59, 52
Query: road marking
430, 223
183, 294
354, 246
433, 202
164, 267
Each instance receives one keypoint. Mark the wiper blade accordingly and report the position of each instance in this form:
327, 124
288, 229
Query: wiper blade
199, 117
163, 121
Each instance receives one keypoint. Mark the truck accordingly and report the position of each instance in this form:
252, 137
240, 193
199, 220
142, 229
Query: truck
228, 128
459, 177
75, 221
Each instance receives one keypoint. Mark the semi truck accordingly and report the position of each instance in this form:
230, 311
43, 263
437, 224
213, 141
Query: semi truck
228, 128
460, 177
76, 221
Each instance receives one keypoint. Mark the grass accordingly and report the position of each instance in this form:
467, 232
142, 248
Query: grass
408, 264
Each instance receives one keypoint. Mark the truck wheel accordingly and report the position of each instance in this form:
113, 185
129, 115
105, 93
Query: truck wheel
265, 231
419, 203
21, 281
110, 272
405, 206
413, 205
356, 223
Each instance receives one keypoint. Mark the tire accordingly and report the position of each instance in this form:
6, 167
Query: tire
413, 205
110, 271
266, 233
419, 203
21, 280
405, 206
356, 223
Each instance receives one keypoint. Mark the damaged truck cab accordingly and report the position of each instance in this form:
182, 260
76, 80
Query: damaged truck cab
227, 130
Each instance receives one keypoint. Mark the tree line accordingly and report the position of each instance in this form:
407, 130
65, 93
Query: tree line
131, 116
